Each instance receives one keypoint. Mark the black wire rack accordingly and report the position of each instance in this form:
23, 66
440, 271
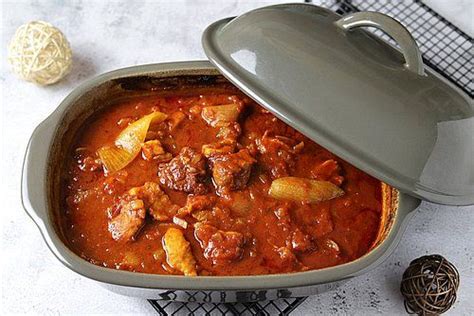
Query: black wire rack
445, 48
263, 308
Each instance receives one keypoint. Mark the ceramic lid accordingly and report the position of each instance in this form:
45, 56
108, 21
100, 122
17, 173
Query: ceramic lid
354, 94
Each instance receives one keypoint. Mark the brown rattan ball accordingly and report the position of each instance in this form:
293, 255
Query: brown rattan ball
429, 285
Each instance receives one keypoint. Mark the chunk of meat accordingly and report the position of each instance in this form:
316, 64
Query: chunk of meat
221, 247
156, 201
128, 215
185, 172
221, 115
178, 252
229, 132
196, 203
130, 218
217, 149
216, 215
329, 170
227, 141
277, 154
232, 172
153, 150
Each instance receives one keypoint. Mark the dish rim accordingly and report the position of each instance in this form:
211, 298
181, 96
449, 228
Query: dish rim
36, 204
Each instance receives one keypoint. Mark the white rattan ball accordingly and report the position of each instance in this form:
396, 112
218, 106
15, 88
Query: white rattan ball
40, 53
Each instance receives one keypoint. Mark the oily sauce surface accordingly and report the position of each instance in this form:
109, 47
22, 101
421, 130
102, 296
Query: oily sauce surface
267, 235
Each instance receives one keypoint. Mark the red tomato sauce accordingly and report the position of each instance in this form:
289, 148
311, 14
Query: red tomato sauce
243, 230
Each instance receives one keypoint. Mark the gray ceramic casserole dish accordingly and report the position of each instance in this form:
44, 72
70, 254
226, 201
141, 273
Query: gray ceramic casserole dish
43, 164
40, 194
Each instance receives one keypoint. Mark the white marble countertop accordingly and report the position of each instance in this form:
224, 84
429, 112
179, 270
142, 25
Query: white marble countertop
107, 35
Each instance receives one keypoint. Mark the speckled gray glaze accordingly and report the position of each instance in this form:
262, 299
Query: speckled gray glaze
354, 94
39, 197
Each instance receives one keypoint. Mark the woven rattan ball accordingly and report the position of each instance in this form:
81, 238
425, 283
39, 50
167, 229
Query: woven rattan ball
429, 285
40, 53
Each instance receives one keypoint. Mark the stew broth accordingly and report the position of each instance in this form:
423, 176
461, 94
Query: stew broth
212, 177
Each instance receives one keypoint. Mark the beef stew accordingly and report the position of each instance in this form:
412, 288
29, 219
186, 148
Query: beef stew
209, 183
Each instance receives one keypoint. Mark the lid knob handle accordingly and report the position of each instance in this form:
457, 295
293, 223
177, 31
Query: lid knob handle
392, 27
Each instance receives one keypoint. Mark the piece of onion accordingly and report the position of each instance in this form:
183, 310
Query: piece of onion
114, 158
304, 190
128, 143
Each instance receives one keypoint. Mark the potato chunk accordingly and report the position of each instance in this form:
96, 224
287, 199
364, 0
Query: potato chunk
178, 252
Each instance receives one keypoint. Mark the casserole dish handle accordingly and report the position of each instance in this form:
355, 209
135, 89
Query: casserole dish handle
35, 164
410, 50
